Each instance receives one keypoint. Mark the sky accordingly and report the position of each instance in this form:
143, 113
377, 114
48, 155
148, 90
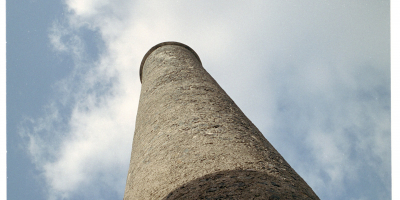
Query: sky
313, 76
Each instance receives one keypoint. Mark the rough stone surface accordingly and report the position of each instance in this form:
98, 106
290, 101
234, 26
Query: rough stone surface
192, 142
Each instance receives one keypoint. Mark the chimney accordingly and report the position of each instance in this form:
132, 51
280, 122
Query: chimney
192, 141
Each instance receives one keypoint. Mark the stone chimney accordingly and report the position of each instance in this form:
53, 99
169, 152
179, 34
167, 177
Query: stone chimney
192, 141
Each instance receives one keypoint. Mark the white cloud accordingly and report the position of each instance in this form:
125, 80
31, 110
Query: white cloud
297, 70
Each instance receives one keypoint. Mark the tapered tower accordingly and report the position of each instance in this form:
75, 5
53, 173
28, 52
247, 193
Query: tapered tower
192, 142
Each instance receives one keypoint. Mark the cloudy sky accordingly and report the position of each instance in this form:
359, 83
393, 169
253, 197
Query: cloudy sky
313, 76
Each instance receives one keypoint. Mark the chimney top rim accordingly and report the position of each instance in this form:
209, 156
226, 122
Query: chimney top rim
160, 45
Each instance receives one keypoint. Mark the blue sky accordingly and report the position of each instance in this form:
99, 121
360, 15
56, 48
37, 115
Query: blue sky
314, 77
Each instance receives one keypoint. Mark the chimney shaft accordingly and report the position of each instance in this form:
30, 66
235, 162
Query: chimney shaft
192, 142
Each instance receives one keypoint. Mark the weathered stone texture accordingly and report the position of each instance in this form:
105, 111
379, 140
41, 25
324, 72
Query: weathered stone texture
192, 142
